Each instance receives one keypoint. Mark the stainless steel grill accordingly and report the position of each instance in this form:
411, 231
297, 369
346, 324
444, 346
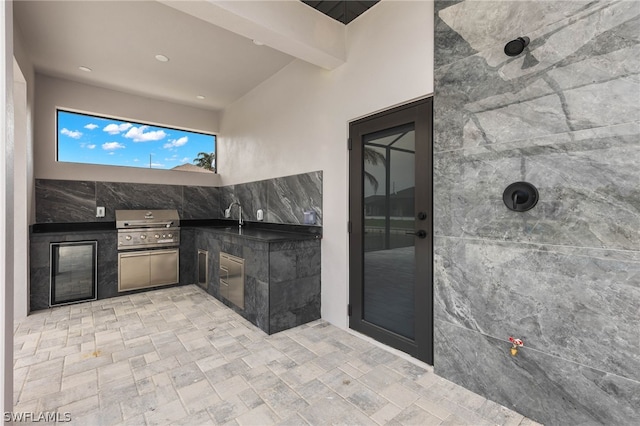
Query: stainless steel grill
147, 229
148, 248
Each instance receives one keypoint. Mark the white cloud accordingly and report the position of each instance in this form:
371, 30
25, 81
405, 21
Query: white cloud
114, 129
71, 133
174, 143
112, 153
91, 126
138, 134
135, 160
185, 160
157, 165
110, 146
91, 146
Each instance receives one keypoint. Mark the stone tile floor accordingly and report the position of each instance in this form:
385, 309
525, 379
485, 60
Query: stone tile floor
178, 356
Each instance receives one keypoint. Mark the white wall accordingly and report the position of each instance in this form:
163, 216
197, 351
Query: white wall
21, 195
297, 121
6, 205
52, 93
24, 182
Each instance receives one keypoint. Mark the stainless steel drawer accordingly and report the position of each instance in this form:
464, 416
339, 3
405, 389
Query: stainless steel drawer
232, 279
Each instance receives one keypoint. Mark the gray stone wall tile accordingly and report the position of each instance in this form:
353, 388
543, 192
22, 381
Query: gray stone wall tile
550, 389
201, 202
62, 201
572, 303
563, 115
289, 197
282, 266
122, 196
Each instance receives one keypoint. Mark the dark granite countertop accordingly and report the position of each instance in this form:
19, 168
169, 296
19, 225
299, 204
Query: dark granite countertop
259, 231
260, 234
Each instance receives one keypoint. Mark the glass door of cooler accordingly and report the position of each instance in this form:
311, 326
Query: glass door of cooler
74, 272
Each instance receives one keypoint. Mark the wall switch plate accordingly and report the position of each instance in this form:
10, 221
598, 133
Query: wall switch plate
99, 211
260, 215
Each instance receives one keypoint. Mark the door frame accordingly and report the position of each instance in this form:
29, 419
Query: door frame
419, 112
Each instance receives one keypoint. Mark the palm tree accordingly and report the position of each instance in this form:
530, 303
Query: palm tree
373, 157
206, 160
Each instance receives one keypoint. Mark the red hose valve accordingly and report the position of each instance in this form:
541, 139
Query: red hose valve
517, 343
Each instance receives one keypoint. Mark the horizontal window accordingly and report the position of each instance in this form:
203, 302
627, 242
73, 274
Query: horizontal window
91, 139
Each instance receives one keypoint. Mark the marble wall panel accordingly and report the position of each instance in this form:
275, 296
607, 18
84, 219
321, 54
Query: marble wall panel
200, 202
289, 197
564, 276
61, 201
252, 196
227, 196
573, 303
551, 390
589, 193
283, 200
481, 104
122, 196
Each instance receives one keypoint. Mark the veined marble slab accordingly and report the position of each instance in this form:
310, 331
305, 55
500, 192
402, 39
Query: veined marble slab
61, 201
589, 192
563, 115
290, 196
282, 199
579, 304
200, 202
546, 388
504, 20
124, 196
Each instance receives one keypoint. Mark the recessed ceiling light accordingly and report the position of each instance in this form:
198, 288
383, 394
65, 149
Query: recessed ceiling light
85, 69
200, 97
258, 43
162, 58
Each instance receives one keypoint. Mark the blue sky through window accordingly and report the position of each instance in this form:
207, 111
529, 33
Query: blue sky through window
97, 140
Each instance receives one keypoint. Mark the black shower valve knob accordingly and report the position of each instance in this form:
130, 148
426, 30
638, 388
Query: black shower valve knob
515, 47
520, 196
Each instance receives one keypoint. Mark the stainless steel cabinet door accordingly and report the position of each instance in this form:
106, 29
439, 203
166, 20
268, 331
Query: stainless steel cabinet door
149, 268
133, 270
163, 267
232, 279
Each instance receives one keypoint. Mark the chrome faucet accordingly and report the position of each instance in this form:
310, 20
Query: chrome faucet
227, 212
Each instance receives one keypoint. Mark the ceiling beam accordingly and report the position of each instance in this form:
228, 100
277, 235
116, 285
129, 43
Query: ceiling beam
287, 25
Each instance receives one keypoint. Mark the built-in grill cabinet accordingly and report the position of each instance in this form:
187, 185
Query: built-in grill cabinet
148, 253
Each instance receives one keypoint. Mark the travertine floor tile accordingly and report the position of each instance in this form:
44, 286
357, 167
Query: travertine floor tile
178, 356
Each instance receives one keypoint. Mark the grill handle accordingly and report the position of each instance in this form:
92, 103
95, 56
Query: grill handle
148, 224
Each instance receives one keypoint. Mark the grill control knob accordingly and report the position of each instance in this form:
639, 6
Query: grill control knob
143, 237
157, 236
164, 236
128, 237
170, 235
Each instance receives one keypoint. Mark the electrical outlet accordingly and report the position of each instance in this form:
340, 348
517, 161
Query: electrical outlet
99, 211
260, 215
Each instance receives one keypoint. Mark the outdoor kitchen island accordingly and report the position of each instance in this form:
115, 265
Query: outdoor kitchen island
281, 286
281, 274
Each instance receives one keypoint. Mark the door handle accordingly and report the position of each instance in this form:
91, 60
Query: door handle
420, 233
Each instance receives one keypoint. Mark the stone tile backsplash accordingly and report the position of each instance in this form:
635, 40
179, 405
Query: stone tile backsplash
283, 199
563, 115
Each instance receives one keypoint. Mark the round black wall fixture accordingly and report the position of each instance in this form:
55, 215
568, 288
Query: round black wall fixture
515, 47
520, 196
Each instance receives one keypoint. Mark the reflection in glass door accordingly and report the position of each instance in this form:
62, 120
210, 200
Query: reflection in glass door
390, 240
389, 249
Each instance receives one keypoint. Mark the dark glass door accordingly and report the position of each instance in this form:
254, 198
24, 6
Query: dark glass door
73, 267
390, 243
